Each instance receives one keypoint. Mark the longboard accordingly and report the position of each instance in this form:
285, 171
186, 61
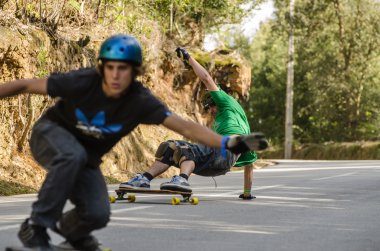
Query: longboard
186, 196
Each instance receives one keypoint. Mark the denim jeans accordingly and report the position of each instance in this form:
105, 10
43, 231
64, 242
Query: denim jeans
208, 161
68, 177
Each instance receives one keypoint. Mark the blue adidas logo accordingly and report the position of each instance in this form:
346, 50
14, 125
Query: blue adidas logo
95, 127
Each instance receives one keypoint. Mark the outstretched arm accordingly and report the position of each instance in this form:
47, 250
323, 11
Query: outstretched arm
203, 75
193, 131
36, 86
199, 70
237, 143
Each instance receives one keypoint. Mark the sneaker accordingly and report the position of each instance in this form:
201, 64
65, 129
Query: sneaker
137, 182
34, 236
177, 183
88, 243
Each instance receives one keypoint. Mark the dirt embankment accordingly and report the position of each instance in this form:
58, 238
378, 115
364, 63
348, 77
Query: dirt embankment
28, 52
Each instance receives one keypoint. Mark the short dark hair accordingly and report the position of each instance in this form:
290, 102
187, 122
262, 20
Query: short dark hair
138, 70
208, 102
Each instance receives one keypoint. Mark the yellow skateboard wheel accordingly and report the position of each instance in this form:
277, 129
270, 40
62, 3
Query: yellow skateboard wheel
131, 198
194, 201
112, 199
176, 201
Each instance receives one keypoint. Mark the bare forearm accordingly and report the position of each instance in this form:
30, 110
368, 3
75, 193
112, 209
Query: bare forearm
199, 70
203, 75
36, 86
193, 131
248, 176
12, 88
202, 135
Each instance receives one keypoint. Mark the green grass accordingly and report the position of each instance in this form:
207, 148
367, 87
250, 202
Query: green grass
12, 188
203, 58
220, 60
8, 188
111, 180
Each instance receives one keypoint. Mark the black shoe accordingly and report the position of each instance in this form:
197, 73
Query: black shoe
88, 243
34, 236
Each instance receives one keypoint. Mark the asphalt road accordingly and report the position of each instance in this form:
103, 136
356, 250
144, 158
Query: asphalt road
300, 205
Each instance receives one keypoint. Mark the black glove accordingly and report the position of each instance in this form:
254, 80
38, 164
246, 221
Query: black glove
182, 53
245, 197
245, 143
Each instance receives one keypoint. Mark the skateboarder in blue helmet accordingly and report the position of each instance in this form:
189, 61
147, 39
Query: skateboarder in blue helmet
96, 108
229, 119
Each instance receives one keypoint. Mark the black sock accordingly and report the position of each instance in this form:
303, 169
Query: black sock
184, 176
148, 176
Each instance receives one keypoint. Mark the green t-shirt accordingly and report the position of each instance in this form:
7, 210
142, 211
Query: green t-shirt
231, 119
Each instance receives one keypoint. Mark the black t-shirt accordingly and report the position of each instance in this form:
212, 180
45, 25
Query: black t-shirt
98, 121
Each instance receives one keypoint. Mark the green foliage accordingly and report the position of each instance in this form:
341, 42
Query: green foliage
42, 64
203, 58
331, 151
111, 180
11, 188
74, 4
206, 60
337, 81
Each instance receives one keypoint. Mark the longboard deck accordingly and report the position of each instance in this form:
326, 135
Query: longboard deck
151, 191
187, 196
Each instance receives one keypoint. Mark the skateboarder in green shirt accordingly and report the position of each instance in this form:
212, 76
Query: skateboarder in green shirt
230, 119
97, 107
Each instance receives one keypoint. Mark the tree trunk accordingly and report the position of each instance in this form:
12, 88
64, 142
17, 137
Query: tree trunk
171, 17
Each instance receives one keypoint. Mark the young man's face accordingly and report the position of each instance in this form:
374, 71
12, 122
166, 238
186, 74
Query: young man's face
213, 110
117, 77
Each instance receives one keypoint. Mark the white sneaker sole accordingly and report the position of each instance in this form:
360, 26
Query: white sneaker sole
133, 187
174, 187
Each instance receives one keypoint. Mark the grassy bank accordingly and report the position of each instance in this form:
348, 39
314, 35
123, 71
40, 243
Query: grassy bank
12, 188
111, 180
330, 151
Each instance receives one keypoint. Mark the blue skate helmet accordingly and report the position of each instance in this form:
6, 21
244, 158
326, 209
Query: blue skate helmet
121, 47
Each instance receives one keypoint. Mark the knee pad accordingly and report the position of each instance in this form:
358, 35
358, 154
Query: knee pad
165, 152
183, 153
68, 224
74, 227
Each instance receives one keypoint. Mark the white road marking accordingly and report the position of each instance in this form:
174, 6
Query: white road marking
218, 194
227, 194
130, 209
22, 217
282, 161
15, 200
296, 169
180, 224
3, 228
336, 176
266, 187
15, 217
295, 199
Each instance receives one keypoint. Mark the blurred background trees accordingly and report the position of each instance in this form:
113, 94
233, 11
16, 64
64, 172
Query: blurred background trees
337, 71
